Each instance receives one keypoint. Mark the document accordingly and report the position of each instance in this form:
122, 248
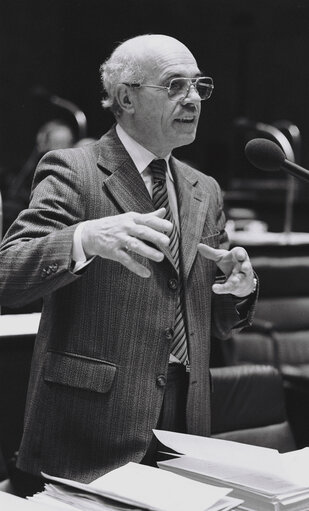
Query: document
150, 488
262, 477
9, 502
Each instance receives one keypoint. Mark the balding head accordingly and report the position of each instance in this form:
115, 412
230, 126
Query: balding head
136, 59
137, 78
143, 47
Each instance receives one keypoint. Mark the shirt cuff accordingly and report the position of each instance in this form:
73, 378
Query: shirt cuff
78, 255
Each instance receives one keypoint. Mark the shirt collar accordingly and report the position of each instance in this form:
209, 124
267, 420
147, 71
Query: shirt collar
140, 155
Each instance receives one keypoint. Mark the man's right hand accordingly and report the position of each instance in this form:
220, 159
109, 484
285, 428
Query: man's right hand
120, 237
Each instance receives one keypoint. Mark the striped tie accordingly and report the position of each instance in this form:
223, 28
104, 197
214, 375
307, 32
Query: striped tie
160, 200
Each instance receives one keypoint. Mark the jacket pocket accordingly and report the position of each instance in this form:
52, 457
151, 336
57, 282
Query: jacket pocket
213, 240
79, 371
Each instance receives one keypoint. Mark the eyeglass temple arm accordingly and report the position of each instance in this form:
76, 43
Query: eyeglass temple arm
137, 85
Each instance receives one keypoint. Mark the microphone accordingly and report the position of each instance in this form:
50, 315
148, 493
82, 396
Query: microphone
267, 155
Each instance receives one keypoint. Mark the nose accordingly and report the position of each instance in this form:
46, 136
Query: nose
192, 95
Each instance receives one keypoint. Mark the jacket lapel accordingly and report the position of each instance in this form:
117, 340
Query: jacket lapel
193, 202
122, 178
123, 181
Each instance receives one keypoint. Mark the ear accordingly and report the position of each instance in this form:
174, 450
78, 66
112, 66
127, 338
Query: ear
125, 98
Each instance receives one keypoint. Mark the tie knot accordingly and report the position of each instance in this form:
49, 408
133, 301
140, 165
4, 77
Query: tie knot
158, 169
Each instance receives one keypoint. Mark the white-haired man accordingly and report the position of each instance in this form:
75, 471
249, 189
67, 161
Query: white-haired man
124, 242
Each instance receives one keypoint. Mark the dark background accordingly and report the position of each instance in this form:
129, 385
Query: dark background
256, 51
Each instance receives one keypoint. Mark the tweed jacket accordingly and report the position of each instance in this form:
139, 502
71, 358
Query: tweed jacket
101, 354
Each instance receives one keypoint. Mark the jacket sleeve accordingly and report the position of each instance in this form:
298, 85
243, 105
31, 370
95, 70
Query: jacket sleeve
229, 313
35, 254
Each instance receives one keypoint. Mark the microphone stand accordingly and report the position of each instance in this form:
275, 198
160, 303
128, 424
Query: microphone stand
286, 146
294, 137
78, 114
275, 134
65, 104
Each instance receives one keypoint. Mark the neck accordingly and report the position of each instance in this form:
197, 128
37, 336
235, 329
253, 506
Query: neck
159, 152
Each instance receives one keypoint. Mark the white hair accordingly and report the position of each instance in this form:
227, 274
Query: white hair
122, 66
127, 62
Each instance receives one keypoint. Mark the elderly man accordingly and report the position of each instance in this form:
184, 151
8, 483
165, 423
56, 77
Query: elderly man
124, 244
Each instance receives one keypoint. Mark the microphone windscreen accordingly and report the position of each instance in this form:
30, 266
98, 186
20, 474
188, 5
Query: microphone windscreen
264, 154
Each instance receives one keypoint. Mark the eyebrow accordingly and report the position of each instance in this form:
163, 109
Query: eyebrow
170, 76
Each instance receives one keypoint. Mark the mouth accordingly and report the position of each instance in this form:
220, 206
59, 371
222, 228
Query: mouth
186, 120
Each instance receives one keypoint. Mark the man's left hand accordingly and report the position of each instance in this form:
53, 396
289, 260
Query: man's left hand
236, 266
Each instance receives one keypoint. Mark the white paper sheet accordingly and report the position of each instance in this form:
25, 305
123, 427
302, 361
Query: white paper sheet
296, 466
74, 499
10, 502
149, 487
262, 471
221, 451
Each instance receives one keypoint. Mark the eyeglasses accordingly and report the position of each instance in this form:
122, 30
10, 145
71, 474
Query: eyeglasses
179, 88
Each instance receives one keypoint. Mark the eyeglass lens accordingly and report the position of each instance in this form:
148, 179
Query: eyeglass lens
179, 87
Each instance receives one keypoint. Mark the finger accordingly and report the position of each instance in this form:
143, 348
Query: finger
231, 285
238, 285
155, 220
129, 262
240, 254
161, 212
139, 247
220, 289
244, 268
214, 254
146, 233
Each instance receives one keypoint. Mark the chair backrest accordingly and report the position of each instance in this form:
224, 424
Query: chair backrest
248, 406
280, 332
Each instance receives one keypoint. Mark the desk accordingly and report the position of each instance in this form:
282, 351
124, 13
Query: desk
252, 238
19, 324
271, 243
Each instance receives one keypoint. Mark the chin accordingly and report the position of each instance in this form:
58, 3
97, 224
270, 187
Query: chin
186, 139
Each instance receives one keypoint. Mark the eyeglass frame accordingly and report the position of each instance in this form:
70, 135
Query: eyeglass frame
168, 88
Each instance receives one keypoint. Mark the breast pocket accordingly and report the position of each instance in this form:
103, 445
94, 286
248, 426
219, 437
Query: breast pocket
212, 240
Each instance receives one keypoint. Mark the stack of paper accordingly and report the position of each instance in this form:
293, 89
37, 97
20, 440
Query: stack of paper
139, 486
263, 478
9, 502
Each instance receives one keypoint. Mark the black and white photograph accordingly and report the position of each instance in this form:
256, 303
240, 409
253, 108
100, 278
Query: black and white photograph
154, 255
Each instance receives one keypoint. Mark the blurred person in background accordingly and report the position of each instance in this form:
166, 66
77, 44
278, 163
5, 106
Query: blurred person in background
54, 134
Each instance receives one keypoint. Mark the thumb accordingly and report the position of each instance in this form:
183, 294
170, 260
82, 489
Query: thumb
240, 254
214, 254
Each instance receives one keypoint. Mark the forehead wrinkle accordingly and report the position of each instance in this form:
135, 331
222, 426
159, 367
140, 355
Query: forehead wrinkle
175, 59
161, 57
164, 72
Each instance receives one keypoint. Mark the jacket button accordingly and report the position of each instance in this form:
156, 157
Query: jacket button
173, 284
45, 272
169, 332
161, 380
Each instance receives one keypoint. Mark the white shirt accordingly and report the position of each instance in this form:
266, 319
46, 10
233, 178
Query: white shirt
142, 158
